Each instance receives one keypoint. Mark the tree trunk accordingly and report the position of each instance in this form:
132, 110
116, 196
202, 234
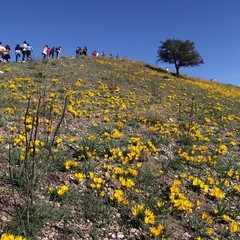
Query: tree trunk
177, 69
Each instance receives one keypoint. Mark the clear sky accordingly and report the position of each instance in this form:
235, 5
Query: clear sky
131, 28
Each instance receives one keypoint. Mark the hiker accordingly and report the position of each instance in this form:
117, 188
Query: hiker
94, 53
17, 52
29, 52
24, 50
58, 51
2, 52
52, 52
44, 52
85, 51
102, 54
7, 53
48, 52
78, 52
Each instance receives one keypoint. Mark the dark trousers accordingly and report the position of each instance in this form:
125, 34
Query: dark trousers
23, 55
18, 55
28, 54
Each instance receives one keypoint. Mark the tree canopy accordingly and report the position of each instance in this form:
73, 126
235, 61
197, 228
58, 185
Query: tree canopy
180, 53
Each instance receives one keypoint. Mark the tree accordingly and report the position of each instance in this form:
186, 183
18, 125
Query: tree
180, 53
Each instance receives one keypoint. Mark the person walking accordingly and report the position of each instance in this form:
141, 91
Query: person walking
58, 51
52, 52
7, 54
94, 53
17, 52
29, 51
2, 52
85, 51
78, 52
48, 52
44, 52
24, 50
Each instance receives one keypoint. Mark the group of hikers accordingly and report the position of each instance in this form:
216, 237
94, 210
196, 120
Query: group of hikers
24, 52
80, 51
50, 52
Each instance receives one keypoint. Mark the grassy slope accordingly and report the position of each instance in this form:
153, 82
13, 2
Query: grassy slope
168, 144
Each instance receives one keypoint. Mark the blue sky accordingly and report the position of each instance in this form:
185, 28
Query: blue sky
131, 28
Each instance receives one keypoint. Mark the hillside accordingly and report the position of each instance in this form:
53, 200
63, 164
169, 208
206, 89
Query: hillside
100, 148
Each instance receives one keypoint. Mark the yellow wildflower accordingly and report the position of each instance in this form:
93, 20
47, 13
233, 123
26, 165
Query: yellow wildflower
62, 189
79, 176
55, 80
216, 192
102, 193
207, 218
128, 183
97, 182
118, 170
199, 203
149, 217
237, 188
216, 211
209, 231
132, 171
234, 227
183, 175
137, 209
91, 138
230, 172
118, 195
106, 119
229, 134
226, 217
6, 236
222, 148
160, 204
70, 164
233, 143
156, 231
211, 180
58, 142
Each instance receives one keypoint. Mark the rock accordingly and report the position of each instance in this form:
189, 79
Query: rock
120, 235
186, 235
132, 230
4, 218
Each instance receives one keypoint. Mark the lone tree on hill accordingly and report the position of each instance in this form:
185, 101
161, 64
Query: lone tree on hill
180, 53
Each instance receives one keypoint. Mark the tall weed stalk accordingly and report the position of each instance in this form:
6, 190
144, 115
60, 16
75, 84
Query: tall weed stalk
29, 168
